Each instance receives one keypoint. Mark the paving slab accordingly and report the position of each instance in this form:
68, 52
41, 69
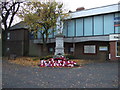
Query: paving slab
94, 75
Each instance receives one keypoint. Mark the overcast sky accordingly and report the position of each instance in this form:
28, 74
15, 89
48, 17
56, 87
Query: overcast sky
73, 4
87, 4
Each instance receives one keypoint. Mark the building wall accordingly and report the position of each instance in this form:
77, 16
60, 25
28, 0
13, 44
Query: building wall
102, 24
14, 47
91, 25
113, 51
17, 42
79, 50
51, 48
67, 47
34, 49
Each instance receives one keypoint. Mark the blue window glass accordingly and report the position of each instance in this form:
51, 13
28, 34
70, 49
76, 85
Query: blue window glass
65, 28
55, 32
79, 27
98, 25
117, 22
31, 35
117, 29
108, 24
51, 33
38, 34
71, 27
88, 26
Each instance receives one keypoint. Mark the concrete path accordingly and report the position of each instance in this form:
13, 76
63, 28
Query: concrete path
95, 75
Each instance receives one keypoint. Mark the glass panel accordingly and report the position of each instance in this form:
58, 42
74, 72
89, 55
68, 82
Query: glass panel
51, 33
98, 25
117, 22
79, 27
65, 28
89, 49
117, 29
8, 36
88, 26
71, 27
118, 48
38, 34
51, 49
109, 24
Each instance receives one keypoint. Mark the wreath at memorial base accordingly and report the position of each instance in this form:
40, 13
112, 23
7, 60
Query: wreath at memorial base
57, 61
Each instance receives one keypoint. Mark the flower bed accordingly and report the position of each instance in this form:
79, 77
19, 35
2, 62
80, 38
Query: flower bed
57, 61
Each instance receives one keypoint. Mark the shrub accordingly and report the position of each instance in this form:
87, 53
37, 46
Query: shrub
35, 59
46, 57
69, 56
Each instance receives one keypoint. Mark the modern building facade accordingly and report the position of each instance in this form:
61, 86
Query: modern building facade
91, 34
88, 34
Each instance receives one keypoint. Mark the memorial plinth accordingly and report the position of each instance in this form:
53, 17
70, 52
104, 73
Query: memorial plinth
59, 44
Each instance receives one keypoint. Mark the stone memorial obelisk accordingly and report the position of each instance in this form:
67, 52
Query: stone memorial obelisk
59, 44
59, 48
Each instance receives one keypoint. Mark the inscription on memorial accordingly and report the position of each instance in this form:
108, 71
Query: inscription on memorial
59, 45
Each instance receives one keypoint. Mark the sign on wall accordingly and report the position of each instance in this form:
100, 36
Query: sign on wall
103, 48
117, 21
89, 49
114, 37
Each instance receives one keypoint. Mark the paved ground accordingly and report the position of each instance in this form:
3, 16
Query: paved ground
96, 75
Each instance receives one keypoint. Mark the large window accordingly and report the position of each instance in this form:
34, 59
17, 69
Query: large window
117, 22
93, 25
89, 49
71, 27
65, 25
88, 26
108, 24
79, 27
118, 49
98, 25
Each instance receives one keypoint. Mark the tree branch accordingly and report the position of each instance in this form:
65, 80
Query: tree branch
9, 10
13, 14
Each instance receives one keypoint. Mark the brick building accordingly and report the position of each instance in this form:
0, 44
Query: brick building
16, 40
88, 34
91, 33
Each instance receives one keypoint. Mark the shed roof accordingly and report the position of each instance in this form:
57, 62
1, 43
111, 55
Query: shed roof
19, 26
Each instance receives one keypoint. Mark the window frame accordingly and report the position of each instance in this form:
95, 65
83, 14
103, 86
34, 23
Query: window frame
116, 48
90, 45
8, 36
50, 49
71, 50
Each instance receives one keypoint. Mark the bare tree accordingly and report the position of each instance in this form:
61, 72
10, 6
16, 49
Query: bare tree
9, 8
